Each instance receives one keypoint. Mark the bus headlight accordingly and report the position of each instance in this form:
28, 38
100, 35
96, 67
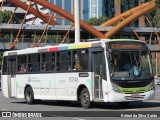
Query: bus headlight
152, 85
115, 88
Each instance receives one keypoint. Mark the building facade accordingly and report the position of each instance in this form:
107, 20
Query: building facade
67, 5
88, 9
96, 8
91, 9
19, 12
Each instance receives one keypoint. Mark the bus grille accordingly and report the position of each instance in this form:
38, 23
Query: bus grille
132, 84
138, 97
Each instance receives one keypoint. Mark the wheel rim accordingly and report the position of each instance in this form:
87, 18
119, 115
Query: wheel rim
28, 96
85, 98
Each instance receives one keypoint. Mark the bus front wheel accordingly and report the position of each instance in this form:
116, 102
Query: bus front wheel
85, 98
29, 97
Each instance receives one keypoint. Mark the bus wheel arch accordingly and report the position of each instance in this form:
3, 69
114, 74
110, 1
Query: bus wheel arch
79, 90
29, 95
83, 96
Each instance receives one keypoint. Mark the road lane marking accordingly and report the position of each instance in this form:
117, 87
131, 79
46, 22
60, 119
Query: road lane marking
78, 119
4, 109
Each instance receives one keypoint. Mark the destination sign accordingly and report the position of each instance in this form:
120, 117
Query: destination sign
127, 45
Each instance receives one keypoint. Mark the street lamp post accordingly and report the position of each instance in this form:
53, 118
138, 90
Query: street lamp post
77, 21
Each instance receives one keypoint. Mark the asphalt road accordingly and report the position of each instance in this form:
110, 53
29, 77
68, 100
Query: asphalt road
19, 105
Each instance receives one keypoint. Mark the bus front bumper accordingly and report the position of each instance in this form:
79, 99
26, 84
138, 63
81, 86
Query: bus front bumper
121, 97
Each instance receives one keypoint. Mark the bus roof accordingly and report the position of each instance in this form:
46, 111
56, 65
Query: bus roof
61, 47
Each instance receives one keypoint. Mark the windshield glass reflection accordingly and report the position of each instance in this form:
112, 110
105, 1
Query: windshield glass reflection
130, 65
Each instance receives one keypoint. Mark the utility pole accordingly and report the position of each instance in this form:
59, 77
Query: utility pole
77, 21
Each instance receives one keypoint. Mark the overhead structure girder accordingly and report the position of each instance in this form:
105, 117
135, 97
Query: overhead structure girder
70, 17
32, 10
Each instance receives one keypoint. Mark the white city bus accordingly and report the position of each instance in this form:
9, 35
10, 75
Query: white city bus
117, 70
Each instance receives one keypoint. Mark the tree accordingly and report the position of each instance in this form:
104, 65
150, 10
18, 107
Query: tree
93, 21
97, 21
155, 20
5, 16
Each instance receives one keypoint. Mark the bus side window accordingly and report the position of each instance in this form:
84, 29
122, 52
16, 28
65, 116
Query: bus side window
58, 67
29, 64
80, 60
34, 64
53, 61
103, 69
65, 60
74, 60
22, 64
83, 59
69, 60
46, 62
4, 71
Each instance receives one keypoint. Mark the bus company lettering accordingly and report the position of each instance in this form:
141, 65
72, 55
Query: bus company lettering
34, 79
73, 79
27, 114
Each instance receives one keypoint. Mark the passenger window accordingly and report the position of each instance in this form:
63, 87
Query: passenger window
80, 60
34, 63
58, 64
47, 63
22, 64
4, 72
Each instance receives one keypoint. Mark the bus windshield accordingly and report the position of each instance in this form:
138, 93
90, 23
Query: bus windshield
130, 65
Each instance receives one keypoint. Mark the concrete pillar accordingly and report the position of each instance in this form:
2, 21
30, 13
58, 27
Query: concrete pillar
117, 7
72, 7
55, 13
63, 4
77, 21
81, 9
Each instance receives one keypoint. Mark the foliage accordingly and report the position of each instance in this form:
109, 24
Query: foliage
155, 18
97, 21
5, 16
158, 3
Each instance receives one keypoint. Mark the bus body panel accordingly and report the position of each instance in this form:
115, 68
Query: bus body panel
105, 90
61, 85
48, 86
52, 86
67, 85
23, 80
4, 84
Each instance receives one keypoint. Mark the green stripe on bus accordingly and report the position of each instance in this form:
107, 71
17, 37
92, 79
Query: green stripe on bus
72, 46
89, 82
134, 90
50, 84
17, 84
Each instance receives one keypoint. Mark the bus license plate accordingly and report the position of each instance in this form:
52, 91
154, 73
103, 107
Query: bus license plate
135, 95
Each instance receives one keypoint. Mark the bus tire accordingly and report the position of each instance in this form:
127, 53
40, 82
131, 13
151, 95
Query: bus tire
85, 98
29, 96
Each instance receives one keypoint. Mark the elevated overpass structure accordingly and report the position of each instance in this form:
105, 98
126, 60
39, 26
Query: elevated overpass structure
55, 33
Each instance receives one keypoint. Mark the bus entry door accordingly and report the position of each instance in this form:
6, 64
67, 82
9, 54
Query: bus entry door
97, 70
12, 77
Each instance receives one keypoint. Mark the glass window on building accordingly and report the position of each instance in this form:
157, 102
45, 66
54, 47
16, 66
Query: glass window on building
85, 10
59, 4
109, 8
67, 7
